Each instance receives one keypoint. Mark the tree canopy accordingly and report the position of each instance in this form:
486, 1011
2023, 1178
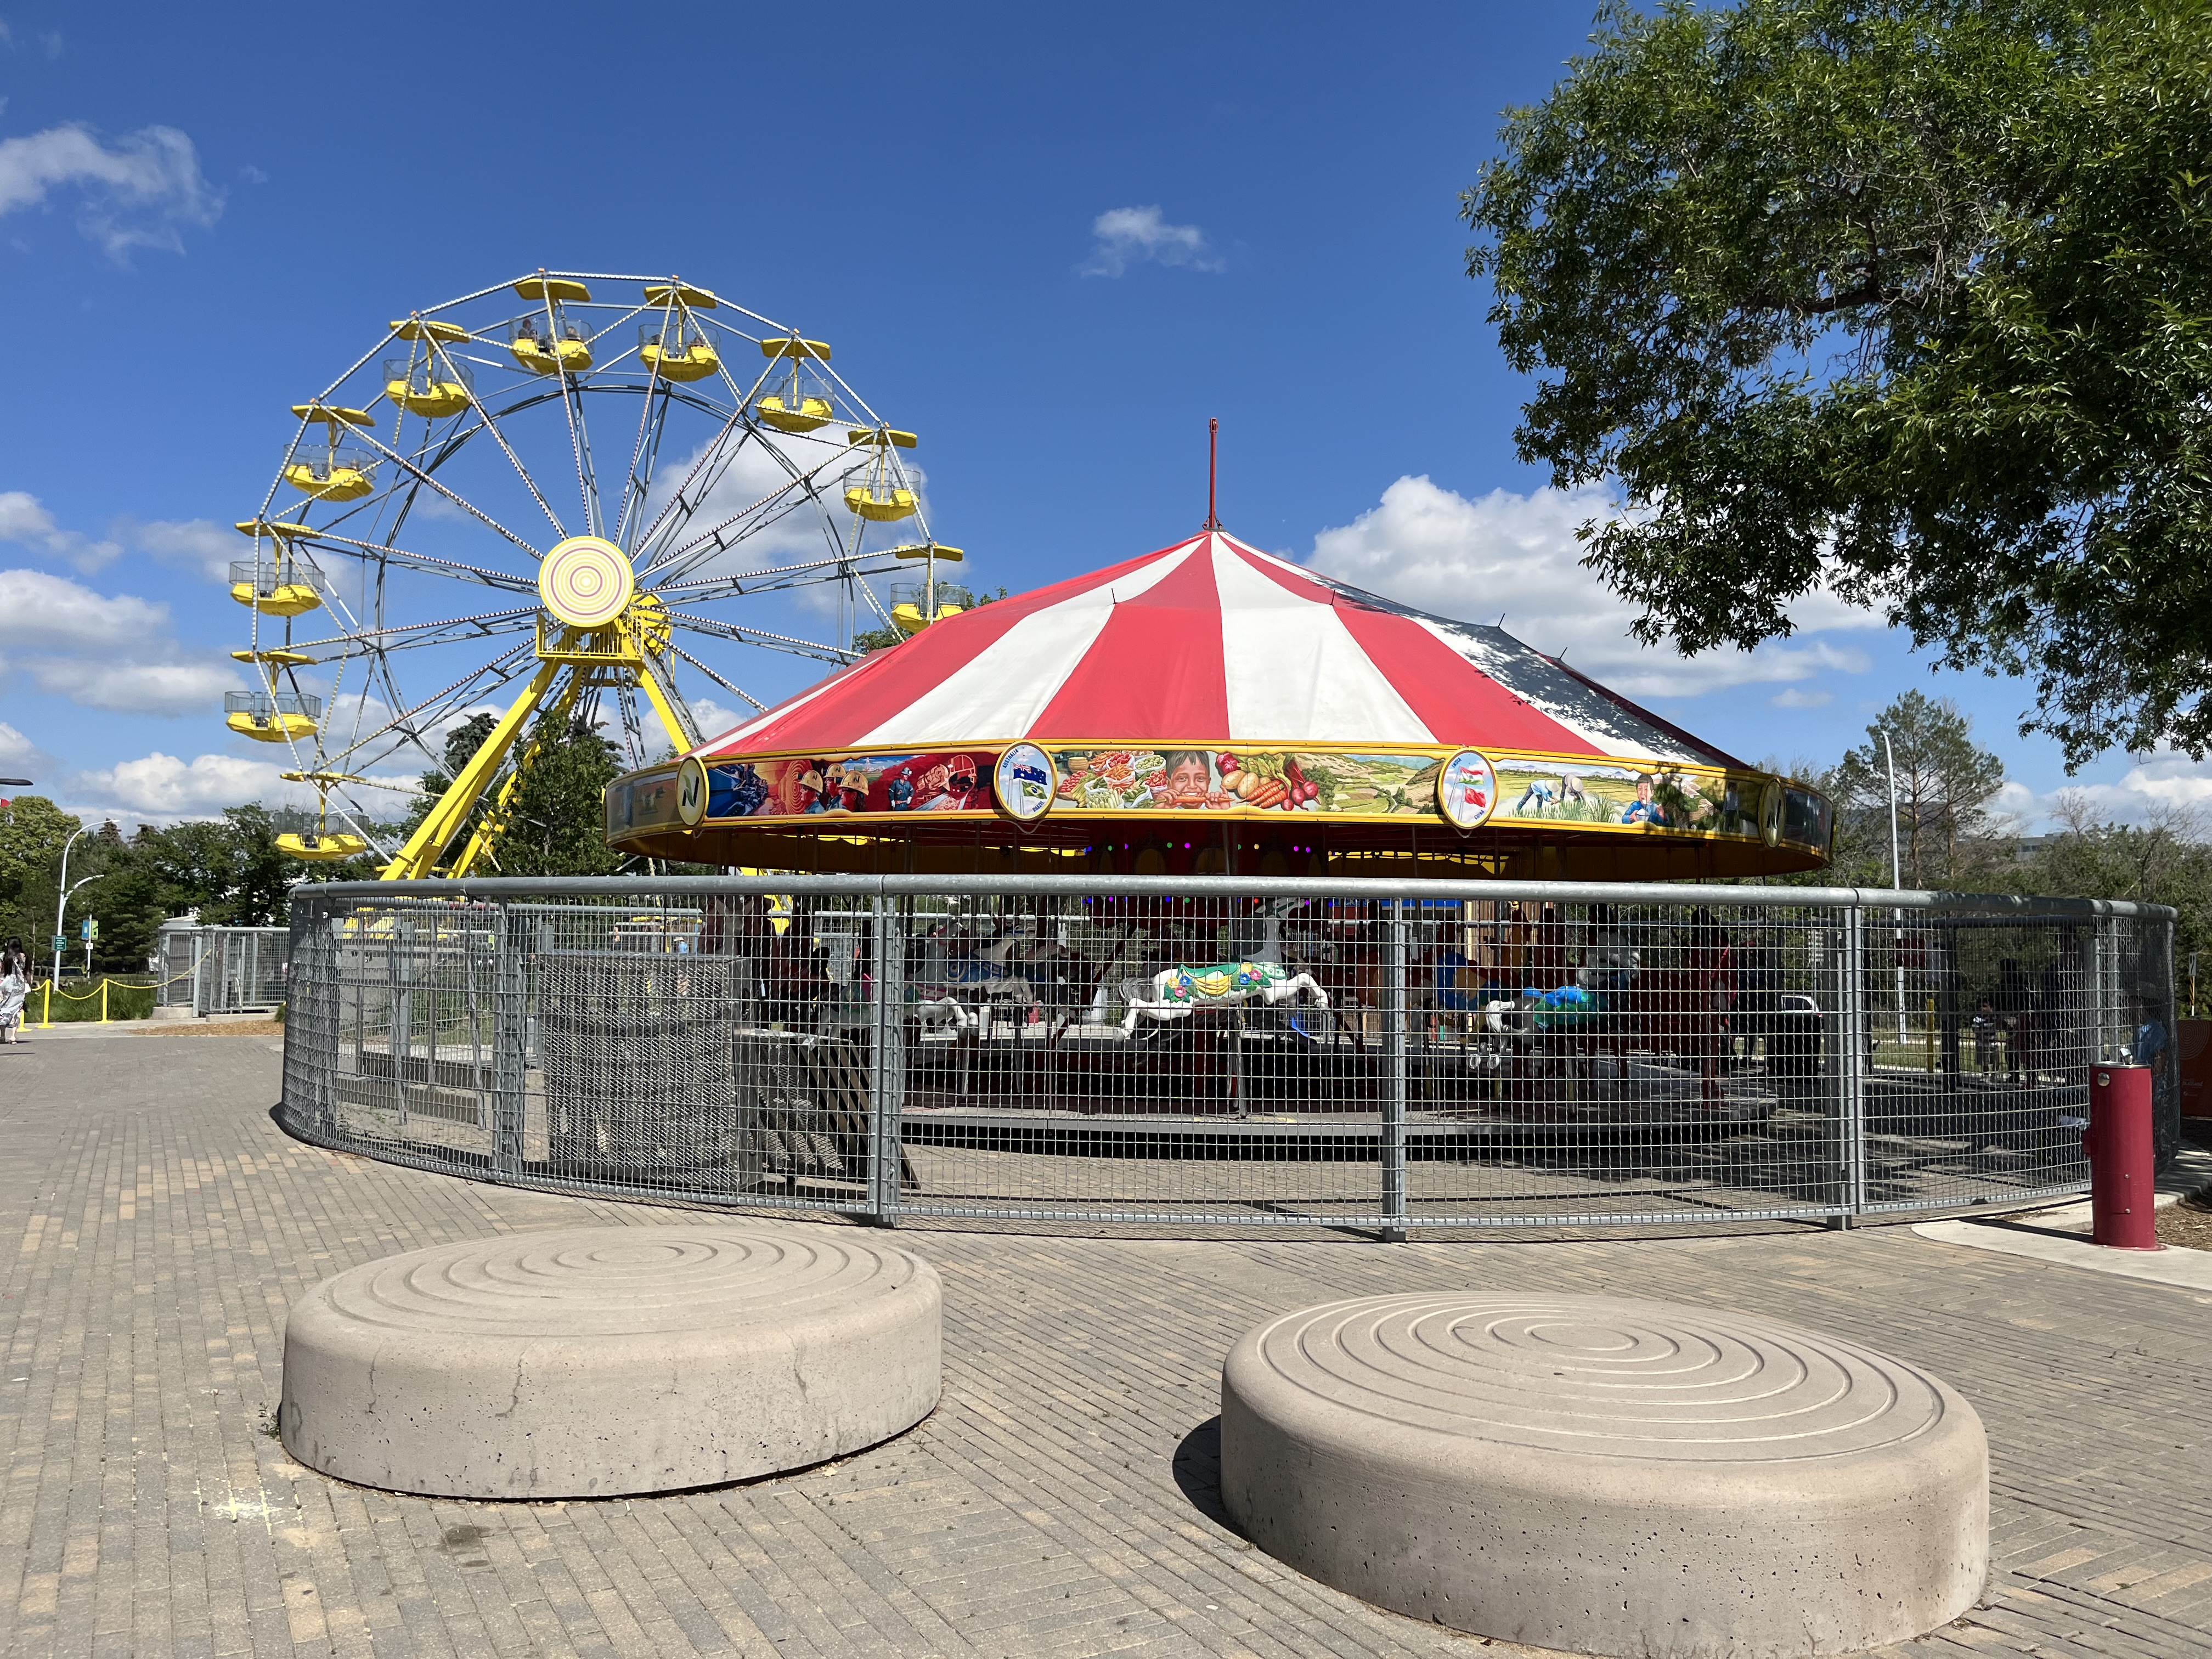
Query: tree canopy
1908, 299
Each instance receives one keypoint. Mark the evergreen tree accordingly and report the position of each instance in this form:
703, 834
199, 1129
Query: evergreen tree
1944, 782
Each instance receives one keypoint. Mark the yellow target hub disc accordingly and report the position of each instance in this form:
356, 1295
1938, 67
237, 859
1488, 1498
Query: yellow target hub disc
585, 583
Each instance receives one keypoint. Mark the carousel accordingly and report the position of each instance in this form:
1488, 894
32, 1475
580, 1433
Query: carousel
1206, 709
1213, 710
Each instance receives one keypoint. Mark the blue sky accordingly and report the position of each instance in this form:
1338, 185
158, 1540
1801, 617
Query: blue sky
1052, 242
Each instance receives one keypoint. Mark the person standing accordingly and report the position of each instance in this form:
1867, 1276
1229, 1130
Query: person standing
15, 987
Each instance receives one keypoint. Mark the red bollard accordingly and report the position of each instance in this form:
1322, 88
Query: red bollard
2123, 1164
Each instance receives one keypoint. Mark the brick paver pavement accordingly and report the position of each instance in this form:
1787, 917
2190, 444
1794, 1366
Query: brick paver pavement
1059, 1502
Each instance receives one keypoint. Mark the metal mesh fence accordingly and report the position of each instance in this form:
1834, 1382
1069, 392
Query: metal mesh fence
1223, 1052
220, 970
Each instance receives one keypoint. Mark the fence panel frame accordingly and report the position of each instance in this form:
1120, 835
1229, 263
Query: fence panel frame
2119, 949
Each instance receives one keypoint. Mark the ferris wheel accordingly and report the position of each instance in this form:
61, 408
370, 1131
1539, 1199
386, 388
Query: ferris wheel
570, 496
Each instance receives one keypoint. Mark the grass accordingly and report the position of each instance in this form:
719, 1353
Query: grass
74, 1001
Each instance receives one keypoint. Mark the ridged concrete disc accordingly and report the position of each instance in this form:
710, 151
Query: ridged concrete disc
609, 1359
1607, 1476
585, 582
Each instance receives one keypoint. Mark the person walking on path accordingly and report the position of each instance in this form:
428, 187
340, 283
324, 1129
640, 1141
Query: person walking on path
15, 987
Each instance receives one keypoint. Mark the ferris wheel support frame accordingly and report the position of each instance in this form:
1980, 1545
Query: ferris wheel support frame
584, 652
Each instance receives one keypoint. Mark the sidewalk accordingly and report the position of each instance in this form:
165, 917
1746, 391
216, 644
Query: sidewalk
1060, 1501
71, 1031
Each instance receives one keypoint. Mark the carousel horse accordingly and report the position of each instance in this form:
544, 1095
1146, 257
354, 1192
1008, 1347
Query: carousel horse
1177, 990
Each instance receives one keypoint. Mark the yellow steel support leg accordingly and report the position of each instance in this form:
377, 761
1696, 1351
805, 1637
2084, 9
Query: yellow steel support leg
679, 732
489, 826
419, 857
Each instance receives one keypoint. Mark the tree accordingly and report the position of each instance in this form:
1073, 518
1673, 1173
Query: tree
33, 831
228, 869
1944, 782
2163, 860
555, 823
1908, 298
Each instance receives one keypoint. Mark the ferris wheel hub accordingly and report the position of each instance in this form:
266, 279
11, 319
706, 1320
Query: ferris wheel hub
585, 583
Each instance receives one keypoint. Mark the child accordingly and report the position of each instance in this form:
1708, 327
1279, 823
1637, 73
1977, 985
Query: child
1986, 1026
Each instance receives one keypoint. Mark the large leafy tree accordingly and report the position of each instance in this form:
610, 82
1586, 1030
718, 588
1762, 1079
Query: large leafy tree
228, 869
1911, 298
556, 821
2162, 861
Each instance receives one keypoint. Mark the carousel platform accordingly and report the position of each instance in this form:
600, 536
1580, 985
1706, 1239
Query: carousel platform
1320, 1137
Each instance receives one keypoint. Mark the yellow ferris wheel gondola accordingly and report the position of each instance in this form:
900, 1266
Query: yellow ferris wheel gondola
804, 400
284, 586
321, 845
668, 348
548, 342
326, 470
882, 495
271, 716
669, 353
437, 390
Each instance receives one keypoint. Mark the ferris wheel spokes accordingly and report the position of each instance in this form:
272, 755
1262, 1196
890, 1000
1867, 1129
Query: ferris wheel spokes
745, 633
402, 636
409, 732
421, 477
487, 422
603, 605
429, 563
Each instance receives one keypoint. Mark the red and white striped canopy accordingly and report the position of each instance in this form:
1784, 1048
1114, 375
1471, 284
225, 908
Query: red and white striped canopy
1211, 640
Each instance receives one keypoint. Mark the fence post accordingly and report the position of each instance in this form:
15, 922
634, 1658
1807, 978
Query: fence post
1851, 1074
1394, 1080
886, 1059
510, 1015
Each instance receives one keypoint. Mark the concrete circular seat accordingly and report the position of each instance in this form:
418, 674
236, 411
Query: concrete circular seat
604, 1360
1607, 1476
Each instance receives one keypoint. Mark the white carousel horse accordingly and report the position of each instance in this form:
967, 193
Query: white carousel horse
1176, 991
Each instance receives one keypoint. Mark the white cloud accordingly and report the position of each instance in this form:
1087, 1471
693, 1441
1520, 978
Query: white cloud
714, 719
18, 754
25, 521
199, 544
1515, 559
105, 652
1128, 235
2154, 787
1798, 696
141, 192
135, 687
159, 786
52, 612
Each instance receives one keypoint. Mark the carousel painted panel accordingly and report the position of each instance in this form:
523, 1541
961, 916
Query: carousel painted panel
1468, 788
806, 786
1192, 780
1617, 795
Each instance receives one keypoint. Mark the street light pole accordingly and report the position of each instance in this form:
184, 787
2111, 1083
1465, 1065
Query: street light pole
1896, 881
61, 903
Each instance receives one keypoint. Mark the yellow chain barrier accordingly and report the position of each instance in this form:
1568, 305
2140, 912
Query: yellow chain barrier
51, 991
